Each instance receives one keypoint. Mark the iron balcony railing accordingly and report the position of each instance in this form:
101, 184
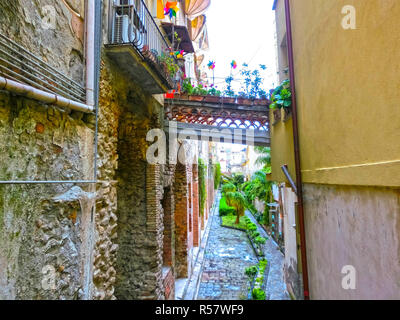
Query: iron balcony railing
132, 23
18, 64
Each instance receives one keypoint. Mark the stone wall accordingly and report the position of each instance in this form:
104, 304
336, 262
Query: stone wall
49, 30
181, 221
196, 209
44, 228
104, 274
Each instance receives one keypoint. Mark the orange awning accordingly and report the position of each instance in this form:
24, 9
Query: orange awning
195, 8
197, 26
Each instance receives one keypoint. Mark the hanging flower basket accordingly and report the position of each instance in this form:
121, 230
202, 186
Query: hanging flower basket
277, 115
286, 114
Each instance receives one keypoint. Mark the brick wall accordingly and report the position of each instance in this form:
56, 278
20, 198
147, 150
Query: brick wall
196, 218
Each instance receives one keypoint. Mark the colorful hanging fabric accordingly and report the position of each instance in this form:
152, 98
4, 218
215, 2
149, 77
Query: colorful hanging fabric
171, 9
160, 9
234, 64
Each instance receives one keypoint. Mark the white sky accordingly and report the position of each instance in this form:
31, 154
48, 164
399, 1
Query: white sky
241, 30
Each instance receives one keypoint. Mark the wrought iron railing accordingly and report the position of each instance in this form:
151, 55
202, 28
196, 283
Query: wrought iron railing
17, 63
132, 23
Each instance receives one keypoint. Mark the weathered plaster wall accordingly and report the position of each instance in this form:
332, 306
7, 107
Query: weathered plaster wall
61, 45
347, 91
358, 226
282, 150
44, 225
291, 267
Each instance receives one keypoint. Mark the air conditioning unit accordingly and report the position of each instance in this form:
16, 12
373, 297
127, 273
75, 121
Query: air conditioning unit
121, 29
125, 30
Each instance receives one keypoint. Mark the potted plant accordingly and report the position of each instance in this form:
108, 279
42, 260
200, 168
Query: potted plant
281, 98
262, 100
213, 95
187, 88
243, 99
198, 93
229, 93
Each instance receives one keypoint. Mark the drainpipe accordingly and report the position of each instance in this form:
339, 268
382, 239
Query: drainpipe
90, 31
299, 181
40, 95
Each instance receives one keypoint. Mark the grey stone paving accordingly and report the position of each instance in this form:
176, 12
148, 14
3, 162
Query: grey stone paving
276, 288
226, 256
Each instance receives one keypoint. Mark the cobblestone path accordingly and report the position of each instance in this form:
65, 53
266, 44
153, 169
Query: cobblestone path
228, 254
276, 288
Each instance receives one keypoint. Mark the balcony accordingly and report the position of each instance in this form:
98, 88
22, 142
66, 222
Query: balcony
136, 45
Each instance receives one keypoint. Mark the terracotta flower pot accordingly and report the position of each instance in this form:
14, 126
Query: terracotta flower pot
261, 102
244, 101
228, 100
277, 115
212, 99
286, 113
196, 98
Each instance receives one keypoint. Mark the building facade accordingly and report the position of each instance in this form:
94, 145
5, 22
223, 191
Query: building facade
83, 213
343, 54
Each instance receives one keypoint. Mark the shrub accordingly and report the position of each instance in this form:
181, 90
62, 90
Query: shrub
258, 294
251, 227
254, 234
224, 209
251, 272
260, 240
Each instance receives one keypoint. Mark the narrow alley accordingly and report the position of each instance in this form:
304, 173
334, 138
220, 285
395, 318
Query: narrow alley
227, 253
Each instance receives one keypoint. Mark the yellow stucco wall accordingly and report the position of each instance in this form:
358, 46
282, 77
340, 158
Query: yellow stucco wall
282, 149
348, 93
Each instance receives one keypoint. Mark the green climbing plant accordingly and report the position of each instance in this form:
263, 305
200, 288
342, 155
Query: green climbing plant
202, 171
217, 176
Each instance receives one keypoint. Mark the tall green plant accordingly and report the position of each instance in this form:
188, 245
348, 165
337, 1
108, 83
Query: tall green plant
281, 96
237, 201
217, 176
202, 172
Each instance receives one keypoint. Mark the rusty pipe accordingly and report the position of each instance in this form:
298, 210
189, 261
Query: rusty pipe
299, 181
40, 95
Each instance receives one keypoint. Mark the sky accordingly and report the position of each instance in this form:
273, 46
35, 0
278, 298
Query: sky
244, 31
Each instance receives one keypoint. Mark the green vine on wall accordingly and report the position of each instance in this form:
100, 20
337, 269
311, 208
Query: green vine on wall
217, 176
202, 185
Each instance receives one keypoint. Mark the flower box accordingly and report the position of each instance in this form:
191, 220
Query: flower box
196, 98
244, 101
228, 100
261, 102
212, 99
